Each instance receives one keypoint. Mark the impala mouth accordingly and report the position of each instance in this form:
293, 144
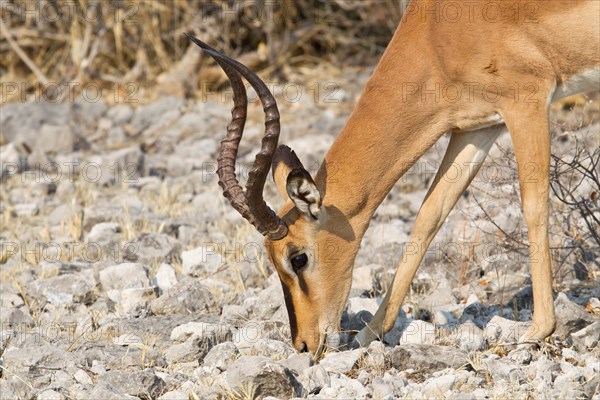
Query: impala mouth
322, 347
330, 339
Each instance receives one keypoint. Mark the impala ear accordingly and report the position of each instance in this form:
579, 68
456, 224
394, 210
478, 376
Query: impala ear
294, 182
304, 193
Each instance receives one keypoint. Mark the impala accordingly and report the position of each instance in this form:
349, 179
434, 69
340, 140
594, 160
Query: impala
473, 76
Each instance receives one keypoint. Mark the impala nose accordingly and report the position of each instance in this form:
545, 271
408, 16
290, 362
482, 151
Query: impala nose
302, 348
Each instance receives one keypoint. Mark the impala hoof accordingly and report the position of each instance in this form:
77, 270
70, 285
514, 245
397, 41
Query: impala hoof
525, 342
353, 344
363, 338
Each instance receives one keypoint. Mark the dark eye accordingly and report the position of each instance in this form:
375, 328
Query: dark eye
299, 261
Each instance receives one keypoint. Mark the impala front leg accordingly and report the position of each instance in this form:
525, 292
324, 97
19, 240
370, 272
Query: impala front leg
531, 140
465, 154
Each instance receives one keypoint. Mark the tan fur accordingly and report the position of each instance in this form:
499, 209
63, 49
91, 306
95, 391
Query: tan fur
395, 122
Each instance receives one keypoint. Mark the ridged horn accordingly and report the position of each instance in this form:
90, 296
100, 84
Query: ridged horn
250, 204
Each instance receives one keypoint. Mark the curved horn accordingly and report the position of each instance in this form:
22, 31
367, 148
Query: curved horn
250, 205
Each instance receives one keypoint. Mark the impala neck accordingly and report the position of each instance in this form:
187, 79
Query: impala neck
384, 136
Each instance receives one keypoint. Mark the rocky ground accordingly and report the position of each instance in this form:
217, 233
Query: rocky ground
124, 273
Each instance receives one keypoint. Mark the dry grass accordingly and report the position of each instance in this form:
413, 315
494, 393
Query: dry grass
244, 392
125, 45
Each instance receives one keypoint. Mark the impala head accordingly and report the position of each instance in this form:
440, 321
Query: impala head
303, 241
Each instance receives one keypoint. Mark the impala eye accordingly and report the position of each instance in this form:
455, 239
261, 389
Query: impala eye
299, 261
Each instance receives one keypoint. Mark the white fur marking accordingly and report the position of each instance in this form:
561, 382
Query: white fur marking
585, 81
